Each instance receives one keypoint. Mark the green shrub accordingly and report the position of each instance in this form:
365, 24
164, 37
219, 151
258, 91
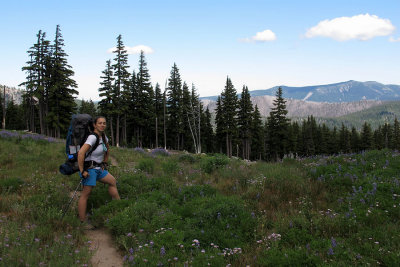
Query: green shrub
170, 166
189, 158
211, 163
10, 184
146, 165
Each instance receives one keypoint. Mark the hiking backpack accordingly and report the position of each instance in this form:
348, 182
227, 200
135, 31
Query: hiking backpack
80, 128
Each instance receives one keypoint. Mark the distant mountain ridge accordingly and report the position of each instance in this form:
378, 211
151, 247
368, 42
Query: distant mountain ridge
12, 93
301, 108
350, 91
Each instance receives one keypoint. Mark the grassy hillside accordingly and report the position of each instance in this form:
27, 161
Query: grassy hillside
198, 210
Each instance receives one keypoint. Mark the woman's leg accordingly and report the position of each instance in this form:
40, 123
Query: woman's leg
112, 185
82, 203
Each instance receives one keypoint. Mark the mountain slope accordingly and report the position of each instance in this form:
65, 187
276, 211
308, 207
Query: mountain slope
300, 108
349, 91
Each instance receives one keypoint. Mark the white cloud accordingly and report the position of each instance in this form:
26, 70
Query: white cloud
361, 27
135, 49
264, 36
393, 40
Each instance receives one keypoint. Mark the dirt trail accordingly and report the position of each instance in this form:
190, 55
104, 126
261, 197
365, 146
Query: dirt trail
106, 254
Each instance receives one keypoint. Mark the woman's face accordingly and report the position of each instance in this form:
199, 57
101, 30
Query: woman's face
100, 124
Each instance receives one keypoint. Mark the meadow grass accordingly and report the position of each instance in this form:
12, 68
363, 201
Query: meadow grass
199, 210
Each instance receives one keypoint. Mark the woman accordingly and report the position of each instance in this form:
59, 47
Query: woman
92, 168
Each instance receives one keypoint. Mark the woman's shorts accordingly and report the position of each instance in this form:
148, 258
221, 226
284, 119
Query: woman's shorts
94, 176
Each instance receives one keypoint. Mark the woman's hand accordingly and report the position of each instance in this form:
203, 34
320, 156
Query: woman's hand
85, 174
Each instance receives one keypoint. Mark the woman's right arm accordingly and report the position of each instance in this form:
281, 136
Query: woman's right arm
81, 158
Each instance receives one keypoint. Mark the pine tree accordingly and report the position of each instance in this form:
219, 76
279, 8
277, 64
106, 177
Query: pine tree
257, 135
207, 133
220, 125
145, 121
88, 107
121, 82
158, 111
396, 135
37, 82
344, 139
245, 121
366, 141
333, 143
61, 99
174, 108
354, 140
325, 140
277, 127
15, 119
105, 105
229, 107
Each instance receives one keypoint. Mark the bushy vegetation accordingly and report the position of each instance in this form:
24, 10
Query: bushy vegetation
195, 210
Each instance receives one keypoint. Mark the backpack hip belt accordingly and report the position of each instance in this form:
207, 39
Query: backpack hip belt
91, 164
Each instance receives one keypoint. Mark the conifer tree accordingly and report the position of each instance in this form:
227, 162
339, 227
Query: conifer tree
61, 88
121, 82
174, 108
207, 133
244, 122
277, 127
106, 93
344, 139
377, 137
308, 137
257, 135
333, 146
396, 135
145, 120
192, 110
37, 85
158, 111
366, 141
325, 140
220, 125
229, 114
88, 107
354, 140
15, 119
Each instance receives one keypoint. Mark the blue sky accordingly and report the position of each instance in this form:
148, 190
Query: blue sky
256, 43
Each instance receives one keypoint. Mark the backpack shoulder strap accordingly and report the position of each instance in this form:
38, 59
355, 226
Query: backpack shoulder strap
96, 144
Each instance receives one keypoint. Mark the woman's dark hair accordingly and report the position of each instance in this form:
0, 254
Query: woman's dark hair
98, 117
103, 135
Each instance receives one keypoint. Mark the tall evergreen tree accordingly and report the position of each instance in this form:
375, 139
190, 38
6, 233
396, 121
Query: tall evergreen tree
174, 108
245, 121
38, 69
229, 112
62, 88
207, 133
344, 139
220, 125
366, 141
121, 82
15, 119
396, 135
257, 135
158, 111
88, 107
354, 140
145, 122
105, 105
277, 127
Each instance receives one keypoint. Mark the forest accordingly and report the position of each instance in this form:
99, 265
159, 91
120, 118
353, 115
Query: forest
146, 116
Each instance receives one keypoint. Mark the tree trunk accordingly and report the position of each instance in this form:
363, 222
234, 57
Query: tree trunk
156, 132
117, 132
112, 131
